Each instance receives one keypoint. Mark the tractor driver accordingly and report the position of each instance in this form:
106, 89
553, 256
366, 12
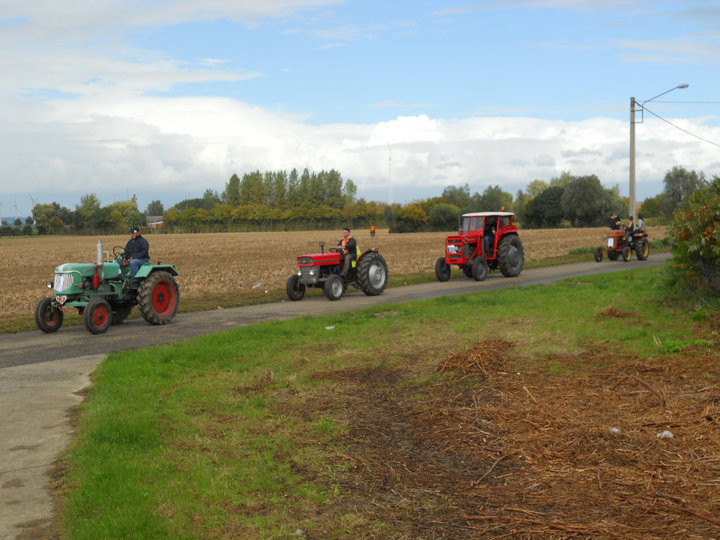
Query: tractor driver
136, 251
349, 251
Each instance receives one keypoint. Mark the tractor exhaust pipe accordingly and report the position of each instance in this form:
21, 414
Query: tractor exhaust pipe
322, 247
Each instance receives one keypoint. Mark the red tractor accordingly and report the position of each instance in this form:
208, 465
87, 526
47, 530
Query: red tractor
369, 273
486, 241
618, 243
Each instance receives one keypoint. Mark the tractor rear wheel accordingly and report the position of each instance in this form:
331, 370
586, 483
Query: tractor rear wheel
442, 269
294, 289
48, 318
598, 254
626, 253
334, 287
372, 274
510, 256
158, 298
642, 250
97, 315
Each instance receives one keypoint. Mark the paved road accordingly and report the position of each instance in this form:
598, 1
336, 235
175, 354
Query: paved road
42, 376
36, 346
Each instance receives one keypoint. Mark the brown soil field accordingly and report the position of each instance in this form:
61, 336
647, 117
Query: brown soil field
501, 447
213, 264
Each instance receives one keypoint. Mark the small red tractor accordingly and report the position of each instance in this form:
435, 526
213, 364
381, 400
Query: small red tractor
368, 273
485, 241
618, 243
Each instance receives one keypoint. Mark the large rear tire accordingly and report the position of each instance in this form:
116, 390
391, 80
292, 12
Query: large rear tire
49, 318
479, 268
97, 315
372, 274
442, 269
294, 289
158, 298
334, 287
511, 256
642, 250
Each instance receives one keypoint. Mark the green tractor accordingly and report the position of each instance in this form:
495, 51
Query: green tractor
105, 293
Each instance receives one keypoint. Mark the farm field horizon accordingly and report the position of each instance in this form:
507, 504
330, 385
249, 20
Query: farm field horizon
244, 264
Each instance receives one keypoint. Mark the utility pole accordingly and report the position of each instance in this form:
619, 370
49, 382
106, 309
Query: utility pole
632, 158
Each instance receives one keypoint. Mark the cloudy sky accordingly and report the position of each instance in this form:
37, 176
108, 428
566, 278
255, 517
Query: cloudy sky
164, 99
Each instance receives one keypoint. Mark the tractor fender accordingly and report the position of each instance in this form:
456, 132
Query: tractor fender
146, 269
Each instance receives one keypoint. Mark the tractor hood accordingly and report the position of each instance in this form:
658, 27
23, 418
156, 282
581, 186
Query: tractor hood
314, 259
69, 276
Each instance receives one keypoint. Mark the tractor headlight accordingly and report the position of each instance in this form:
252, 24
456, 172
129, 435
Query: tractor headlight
63, 282
49, 284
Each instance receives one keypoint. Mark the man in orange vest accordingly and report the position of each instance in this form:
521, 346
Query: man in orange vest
349, 250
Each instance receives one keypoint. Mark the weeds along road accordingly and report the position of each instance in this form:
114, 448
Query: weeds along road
73, 342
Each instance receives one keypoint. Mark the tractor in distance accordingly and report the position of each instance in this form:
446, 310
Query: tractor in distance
105, 293
486, 241
619, 243
368, 273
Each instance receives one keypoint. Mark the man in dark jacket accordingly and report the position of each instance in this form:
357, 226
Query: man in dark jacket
349, 251
136, 251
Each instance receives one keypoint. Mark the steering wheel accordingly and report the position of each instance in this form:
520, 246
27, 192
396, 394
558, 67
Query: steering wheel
335, 250
118, 252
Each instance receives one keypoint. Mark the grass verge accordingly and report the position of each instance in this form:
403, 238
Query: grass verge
429, 418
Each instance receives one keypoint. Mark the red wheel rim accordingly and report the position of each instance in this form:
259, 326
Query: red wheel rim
163, 298
51, 316
100, 316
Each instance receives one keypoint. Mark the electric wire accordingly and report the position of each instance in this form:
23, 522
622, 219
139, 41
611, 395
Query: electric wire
679, 128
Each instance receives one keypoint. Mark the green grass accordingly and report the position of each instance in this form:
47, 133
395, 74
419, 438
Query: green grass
231, 435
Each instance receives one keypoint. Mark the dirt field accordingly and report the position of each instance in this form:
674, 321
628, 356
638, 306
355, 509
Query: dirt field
501, 451
217, 263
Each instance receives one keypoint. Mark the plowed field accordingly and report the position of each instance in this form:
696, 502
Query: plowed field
223, 262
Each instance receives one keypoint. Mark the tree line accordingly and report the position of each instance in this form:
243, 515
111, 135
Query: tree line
305, 200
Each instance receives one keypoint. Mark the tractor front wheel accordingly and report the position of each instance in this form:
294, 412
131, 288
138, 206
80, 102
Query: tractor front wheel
158, 298
372, 274
442, 269
598, 254
49, 318
97, 315
626, 253
613, 255
642, 250
334, 287
294, 289
479, 268
510, 256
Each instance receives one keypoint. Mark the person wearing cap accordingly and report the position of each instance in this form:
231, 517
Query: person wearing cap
136, 251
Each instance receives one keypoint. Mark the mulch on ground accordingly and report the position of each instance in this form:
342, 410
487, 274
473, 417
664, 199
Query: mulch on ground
484, 451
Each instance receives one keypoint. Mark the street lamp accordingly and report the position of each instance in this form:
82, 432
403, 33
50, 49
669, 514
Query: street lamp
641, 105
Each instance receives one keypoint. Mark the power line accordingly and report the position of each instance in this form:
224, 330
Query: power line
681, 129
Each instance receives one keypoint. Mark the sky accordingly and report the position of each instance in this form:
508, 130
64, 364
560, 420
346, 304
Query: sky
164, 99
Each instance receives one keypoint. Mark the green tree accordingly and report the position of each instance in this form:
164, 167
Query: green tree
444, 217
87, 212
410, 218
679, 185
155, 208
545, 210
231, 195
585, 202
42, 214
536, 187
458, 196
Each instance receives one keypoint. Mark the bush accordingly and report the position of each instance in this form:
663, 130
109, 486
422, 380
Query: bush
695, 236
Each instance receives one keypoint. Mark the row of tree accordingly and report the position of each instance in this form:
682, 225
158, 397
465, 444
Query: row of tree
308, 200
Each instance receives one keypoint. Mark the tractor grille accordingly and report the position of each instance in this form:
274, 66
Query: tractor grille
63, 282
309, 274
